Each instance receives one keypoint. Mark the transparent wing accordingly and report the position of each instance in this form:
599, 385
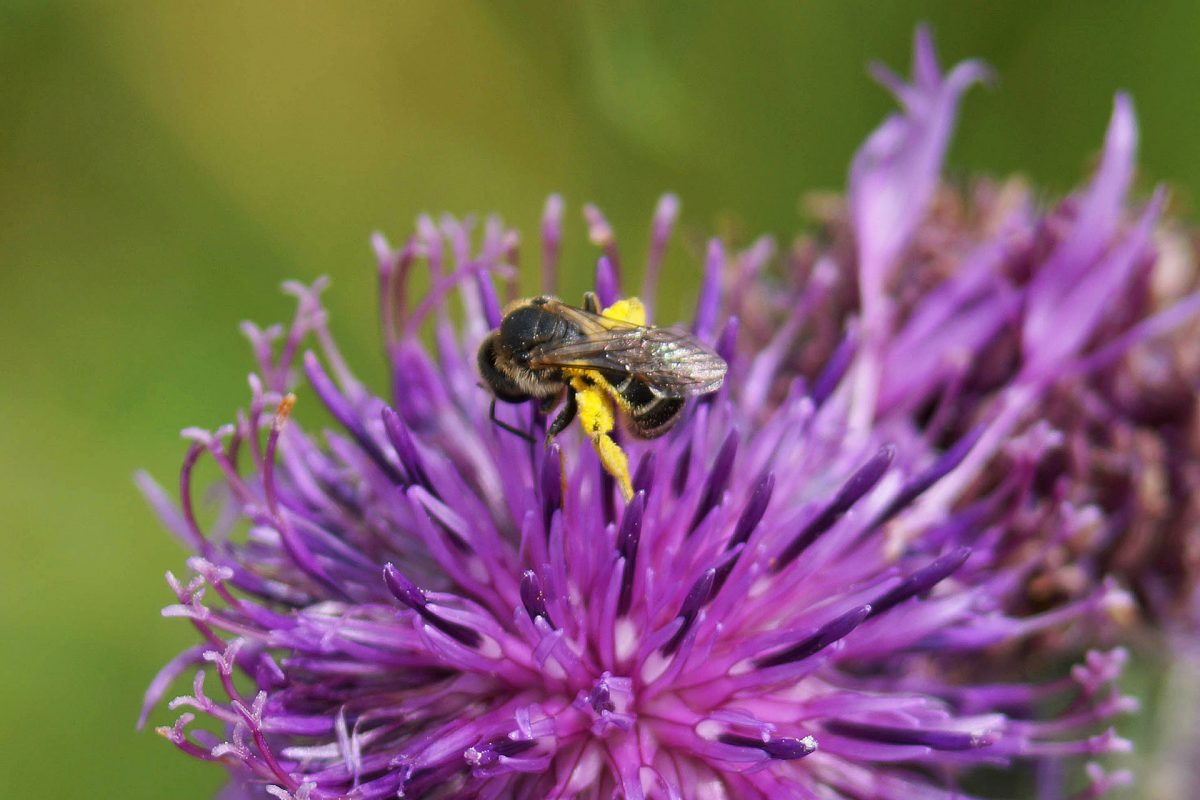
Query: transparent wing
670, 360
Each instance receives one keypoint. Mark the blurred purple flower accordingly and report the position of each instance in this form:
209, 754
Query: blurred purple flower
418, 604
970, 311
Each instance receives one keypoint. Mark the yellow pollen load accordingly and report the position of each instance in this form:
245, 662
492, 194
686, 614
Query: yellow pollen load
595, 398
628, 310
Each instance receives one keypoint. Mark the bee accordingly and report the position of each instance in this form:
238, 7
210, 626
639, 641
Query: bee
546, 350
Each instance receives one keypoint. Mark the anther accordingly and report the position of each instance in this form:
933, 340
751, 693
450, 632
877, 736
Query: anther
410, 595
921, 581
829, 633
697, 596
937, 740
852, 490
783, 749
718, 478
533, 597
627, 546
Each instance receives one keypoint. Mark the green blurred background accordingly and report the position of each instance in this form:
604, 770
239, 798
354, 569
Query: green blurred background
163, 167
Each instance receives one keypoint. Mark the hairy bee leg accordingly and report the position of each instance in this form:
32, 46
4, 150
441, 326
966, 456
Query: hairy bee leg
596, 416
502, 424
614, 460
590, 303
564, 418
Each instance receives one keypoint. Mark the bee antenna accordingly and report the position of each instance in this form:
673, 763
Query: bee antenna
502, 424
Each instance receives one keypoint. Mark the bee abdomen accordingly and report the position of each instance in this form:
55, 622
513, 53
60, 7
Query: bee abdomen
651, 414
655, 419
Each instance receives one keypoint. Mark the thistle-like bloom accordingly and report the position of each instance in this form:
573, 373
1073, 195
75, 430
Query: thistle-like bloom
417, 603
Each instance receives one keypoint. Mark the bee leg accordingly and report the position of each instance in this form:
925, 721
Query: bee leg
590, 303
596, 416
564, 418
502, 424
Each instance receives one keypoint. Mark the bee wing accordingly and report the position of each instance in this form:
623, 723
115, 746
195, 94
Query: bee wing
670, 360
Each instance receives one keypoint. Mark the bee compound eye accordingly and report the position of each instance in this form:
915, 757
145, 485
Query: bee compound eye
490, 369
519, 329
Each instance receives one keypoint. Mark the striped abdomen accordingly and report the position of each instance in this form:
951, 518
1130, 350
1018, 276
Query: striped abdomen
651, 413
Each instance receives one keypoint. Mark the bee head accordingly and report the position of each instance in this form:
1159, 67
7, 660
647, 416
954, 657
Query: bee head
524, 328
492, 362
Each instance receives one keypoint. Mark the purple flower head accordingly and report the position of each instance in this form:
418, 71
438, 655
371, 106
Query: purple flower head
417, 603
